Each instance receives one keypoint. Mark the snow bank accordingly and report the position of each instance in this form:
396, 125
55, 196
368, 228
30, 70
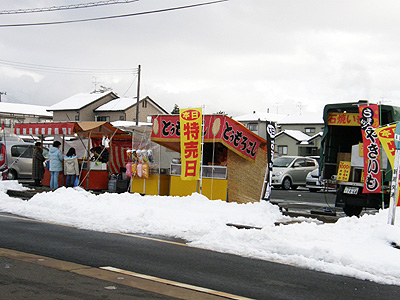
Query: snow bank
357, 247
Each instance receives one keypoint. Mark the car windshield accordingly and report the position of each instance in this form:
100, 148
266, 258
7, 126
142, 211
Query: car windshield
283, 162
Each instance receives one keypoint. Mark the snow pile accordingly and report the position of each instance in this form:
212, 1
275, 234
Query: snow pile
11, 185
358, 247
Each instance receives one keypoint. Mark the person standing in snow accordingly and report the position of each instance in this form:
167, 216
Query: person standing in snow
56, 166
71, 167
37, 164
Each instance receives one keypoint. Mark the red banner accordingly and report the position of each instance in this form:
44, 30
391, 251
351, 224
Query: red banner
369, 121
217, 128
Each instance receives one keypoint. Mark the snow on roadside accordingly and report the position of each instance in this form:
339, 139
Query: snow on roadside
357, 247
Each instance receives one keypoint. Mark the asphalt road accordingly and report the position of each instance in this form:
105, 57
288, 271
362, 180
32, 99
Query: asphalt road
177, 262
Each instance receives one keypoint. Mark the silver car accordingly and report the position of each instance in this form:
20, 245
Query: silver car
19, 158
291, 171
314, 184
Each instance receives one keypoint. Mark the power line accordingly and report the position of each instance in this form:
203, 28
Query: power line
64, 7
113, 17
34, 67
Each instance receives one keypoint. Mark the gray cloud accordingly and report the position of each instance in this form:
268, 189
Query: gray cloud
237, 56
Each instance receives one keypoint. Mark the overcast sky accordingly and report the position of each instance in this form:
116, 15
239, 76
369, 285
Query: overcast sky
236, 56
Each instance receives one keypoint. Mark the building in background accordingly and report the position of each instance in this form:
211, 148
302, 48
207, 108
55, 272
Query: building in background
80, 107
12, 113
103, 106
296, 134
124, 109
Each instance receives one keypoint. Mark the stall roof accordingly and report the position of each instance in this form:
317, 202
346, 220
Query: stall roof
217, 128
95, 129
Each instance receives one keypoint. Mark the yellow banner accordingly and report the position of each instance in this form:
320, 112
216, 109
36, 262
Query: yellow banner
191, 134
344, 171
386, 138
344, 119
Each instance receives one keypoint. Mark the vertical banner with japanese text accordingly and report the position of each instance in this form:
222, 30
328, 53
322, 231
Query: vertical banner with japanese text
191, 135
271, 133
369, 121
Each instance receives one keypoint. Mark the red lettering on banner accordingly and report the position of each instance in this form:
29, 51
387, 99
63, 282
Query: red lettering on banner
191, 166
191, 149
191, 130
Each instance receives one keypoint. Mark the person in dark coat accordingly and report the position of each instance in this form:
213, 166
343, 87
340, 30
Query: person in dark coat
37, 164
100, 153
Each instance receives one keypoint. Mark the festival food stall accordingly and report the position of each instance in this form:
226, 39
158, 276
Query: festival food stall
93, 175
227, 162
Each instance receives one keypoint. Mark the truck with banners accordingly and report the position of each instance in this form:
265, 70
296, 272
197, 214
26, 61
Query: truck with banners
352, 154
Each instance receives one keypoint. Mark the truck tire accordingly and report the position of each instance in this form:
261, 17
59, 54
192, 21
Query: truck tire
351, 210
286, 183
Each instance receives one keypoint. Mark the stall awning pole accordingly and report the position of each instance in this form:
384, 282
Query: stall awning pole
201, 161
87, 164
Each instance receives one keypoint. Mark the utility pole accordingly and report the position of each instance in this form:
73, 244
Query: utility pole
138, 97
2, 93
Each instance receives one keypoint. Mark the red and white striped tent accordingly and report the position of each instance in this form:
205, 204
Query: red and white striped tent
120, 140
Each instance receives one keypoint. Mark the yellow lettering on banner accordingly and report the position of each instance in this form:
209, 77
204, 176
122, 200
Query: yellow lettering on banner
191, 135
344, 171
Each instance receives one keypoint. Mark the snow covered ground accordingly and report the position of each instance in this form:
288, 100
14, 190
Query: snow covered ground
357, 247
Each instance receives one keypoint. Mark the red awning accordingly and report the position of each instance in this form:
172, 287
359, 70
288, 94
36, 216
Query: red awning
95, 129
46, 128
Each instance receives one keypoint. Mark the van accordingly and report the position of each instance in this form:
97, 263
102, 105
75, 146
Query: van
18, 157
291, 171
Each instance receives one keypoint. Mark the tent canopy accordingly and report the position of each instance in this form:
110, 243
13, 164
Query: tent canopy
86, 129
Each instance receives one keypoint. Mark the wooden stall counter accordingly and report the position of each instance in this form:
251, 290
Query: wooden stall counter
96, 180
154, 185
47, 177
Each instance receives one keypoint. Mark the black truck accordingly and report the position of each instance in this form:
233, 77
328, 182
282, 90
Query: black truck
341, 141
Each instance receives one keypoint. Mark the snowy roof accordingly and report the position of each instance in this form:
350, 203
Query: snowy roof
25, 109
282, 119
316, 135
117, 104
260, 116
131, 125
296, 134
79, 101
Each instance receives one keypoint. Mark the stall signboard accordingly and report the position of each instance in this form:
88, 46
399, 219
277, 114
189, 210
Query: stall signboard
369, 121
344, 119
191, 129
344, 171
168, 129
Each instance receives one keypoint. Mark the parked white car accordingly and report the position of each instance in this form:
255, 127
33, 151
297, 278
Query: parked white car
291, 171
